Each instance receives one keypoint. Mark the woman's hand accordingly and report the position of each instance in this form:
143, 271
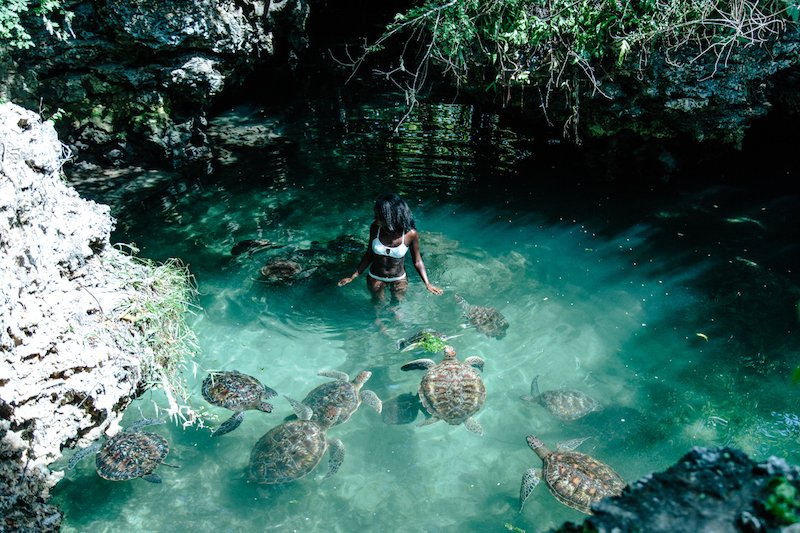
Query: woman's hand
345, 281
435, 290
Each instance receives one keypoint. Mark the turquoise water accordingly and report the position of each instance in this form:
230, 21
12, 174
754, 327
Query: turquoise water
676, 310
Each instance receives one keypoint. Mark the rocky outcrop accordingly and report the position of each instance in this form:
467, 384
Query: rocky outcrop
714, 490
696, 94
69, 359
134, 79
23, 490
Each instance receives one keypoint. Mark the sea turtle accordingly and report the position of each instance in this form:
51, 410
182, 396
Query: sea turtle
452, 390
487, 320
426, 339
401, 409
294, 448
342, 393
285, 270
128, 454
575, 479
238, 392
566, 404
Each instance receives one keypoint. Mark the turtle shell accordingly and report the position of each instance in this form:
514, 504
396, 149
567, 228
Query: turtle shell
486, 320
131, 454
567, 404
579, 480
339, 393
452, 391
287, 452
234, 390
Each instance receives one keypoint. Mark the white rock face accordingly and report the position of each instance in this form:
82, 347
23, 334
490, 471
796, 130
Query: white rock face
65, 373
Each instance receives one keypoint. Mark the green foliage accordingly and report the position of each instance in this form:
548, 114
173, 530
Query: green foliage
11, 29
783, 502
12, 13
511, 43
792, 10
159, 303
431, 343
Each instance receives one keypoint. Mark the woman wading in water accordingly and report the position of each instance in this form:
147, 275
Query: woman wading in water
391, 236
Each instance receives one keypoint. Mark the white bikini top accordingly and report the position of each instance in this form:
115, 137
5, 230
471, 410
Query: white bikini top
398, 252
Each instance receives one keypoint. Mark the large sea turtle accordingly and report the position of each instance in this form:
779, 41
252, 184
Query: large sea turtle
452, 390
566, 404
342, 393
294, 448
575, 479
487, 320
238, 392
129, 454
286, 270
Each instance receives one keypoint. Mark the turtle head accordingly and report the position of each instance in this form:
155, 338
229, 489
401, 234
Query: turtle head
449, 352
536, 445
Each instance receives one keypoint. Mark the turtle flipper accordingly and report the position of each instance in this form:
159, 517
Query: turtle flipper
475, 362
229, 425
265, 407
143, 423
152, 478
80, 454
418, 364
336, 457
371, 399
269, 392
301, 410
473, 425
535, 386
569, 445
529, 481
429, 421
335, 374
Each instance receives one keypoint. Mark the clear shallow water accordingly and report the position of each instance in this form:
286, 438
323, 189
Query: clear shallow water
606, 290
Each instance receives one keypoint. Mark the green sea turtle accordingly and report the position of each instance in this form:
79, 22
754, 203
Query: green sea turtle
237, 392
452, 390
285, 270
566, 404
575, 479
427, 339
129, 454
294, 448
486, 320
342, 393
